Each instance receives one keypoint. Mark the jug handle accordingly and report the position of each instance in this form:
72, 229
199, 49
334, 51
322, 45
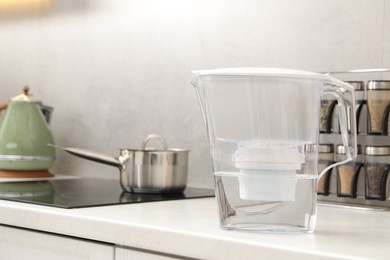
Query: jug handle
337, 89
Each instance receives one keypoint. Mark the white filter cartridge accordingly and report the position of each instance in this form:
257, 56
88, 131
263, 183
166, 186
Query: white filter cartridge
268, 173
267, 185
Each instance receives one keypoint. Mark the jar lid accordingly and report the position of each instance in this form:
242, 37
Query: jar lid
340, 149
358, 85
378, 84
325, 148
377, 150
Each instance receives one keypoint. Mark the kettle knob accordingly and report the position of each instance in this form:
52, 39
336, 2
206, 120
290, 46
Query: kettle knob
26, 89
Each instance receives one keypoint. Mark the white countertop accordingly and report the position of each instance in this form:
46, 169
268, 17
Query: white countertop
191, 228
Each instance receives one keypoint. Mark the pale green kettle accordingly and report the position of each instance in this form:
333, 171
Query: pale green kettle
24, 137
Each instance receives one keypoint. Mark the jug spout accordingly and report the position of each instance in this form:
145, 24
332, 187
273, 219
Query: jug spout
201, 96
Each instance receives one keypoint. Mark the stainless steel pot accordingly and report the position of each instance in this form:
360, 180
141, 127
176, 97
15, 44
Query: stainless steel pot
146, 170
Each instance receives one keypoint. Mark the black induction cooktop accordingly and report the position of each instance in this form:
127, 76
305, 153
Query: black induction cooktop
85, 192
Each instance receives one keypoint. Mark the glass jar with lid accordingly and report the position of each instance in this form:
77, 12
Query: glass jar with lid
360, 97
328, 103
378, 100
325, 158
348, 173
377, 165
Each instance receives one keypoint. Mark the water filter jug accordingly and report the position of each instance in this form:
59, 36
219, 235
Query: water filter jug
263, 129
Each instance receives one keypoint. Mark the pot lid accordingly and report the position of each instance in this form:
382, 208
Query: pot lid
161, 141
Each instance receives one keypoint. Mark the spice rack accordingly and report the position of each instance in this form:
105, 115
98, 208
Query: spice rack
365, 182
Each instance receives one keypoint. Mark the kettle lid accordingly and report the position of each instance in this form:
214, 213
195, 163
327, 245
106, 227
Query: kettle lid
25, 96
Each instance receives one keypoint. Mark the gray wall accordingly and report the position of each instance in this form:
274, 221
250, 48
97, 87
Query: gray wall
116, 70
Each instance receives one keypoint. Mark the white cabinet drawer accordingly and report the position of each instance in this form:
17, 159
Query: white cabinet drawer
18, 243
130, 254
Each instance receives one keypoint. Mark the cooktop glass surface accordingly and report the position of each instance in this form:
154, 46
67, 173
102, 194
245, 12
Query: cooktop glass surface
85, 192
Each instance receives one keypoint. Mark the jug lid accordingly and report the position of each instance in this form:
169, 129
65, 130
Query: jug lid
260, 71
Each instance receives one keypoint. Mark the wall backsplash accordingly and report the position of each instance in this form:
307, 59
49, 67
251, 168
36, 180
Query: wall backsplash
116, 71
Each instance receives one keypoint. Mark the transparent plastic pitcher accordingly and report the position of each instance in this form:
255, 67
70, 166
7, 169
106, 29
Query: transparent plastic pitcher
263, 129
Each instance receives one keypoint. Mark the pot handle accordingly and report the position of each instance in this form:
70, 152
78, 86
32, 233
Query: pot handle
154, 136
92, 156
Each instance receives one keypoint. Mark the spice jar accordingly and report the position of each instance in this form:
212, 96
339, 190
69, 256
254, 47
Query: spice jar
328, 104
348, 173
361, 116
378, 99
377, 162
325, 158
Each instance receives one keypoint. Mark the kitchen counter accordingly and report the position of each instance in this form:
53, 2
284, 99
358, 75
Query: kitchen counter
190, 228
